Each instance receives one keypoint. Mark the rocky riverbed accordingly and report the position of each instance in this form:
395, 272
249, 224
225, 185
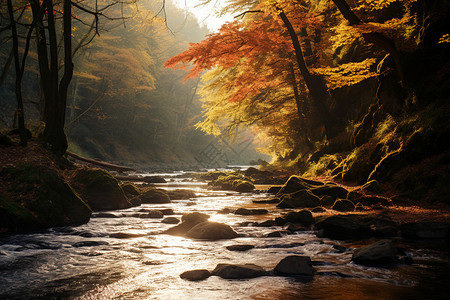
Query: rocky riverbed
191, 239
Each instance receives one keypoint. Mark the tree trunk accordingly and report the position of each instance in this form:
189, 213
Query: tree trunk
55, 95
18, 88
316, 87
301, 116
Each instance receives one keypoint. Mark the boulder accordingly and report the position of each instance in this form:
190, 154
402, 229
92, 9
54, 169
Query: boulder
343, 205
167, 211
211, 175
274, 189
229, 271
303, 217
211, 231
170, 220
327, 200
155, 196
188, 222
233, 183
379, 253
243, 186
331, 190
154, 214
181, 194
195, 217
135, 201
296, 183
302, 198
250, 212
375, 200
195, 275
125, 235
130, 188
39, 198
293, 227
341, 227
372, 186
318, 209
240, 247
382, 226
267, 223
295, 265
426, 230
99, 189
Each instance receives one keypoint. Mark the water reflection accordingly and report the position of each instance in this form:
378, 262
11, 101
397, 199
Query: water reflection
127, 257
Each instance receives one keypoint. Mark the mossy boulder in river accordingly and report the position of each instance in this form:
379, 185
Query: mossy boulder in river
233, 183
37, 197
99, 189
303, 198
155, 196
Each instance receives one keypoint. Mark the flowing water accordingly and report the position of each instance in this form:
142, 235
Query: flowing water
93, 262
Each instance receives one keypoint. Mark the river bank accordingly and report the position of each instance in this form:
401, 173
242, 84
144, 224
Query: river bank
129, 252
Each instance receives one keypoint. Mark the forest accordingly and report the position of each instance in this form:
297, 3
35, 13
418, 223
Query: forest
141, 148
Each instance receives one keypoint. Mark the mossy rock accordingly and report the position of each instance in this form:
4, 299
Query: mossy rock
39, 198
242, 186
302, 198
343, 205
130, 188
211, 175
303, 217
99, 189
331, 190
234, 183
155, 196
297, 183
181, 194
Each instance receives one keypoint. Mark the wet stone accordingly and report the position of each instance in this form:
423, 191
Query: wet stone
268, 223
295, 265
240, 247
239, 271
125, 235
167, 211
379, 253
250, 212
170, 220
89, 244
195, 275
278, 233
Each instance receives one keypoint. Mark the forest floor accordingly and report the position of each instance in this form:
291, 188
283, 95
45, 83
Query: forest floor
404, 212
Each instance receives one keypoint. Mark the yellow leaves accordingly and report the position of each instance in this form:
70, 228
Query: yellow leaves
444, 39
372, 5
347, 74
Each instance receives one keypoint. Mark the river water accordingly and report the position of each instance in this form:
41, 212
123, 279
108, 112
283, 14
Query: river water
93, 262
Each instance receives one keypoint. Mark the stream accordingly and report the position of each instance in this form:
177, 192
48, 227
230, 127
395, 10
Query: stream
119, 255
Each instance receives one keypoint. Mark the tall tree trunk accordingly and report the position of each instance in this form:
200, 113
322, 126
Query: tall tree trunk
55, 95
316, 87
6, 67
301, 116
18, 88
375, 38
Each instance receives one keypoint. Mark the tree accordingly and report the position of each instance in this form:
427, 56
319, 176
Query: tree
19, 75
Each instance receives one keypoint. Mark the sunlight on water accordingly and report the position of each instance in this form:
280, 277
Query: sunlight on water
127, 257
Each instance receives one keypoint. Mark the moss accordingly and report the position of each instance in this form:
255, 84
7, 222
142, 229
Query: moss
233, 182
99, 189
50, 202
323, 167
